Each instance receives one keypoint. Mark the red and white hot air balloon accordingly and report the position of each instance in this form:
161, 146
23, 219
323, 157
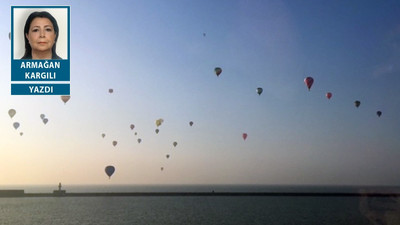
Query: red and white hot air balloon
309, 82
328, 95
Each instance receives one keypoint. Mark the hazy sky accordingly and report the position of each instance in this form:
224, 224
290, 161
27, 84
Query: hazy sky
160, 65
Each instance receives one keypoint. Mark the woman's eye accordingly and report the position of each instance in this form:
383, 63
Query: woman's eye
49, 30
35, 30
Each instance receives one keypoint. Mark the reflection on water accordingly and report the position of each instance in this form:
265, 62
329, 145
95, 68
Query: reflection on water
380, 210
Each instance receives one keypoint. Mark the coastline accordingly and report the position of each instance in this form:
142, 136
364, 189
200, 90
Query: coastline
197, 190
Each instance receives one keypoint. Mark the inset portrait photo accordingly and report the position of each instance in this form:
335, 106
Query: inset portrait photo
40, 33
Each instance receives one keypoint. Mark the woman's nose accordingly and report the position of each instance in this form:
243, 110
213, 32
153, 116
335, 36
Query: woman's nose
42, 33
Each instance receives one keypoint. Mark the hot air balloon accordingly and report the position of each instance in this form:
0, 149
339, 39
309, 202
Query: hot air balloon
135, 133
191, 123
175, 143
12, 112
103, 135
114, 143
132, 126
157, 130
45, 120
21, 133
379, 113
65, 98
259, 91
328, 95
357, 103
309, 82
139, 140
162, 168
218, 71
42, 116
167, 156
110, 90
16, 125
244, 135
159, 122
109, 171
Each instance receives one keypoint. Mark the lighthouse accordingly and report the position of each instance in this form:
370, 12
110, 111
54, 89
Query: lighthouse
59, 192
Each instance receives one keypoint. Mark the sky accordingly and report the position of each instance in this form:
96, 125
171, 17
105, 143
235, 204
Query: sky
156, 58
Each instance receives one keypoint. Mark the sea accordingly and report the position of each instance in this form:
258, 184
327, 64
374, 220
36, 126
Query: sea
196, 210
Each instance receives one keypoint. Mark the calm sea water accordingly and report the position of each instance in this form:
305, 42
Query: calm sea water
198, 188
182, 210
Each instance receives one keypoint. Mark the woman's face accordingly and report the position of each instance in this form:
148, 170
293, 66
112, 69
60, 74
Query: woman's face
41, 34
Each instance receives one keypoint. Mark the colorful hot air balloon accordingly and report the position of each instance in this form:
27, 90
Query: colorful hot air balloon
45, 120
191, 123
42, 116
309, 82
12, 113
159, 122
175, 143
110, 90
157, 130
139, 140
21, 133
103, 135
259, 90
132, 126
135, 133
167, 156
328, 95
110, 171
162, 168
218, 71
357, 103
244, 135
65, 98
379, 113
114, 143
16, 125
